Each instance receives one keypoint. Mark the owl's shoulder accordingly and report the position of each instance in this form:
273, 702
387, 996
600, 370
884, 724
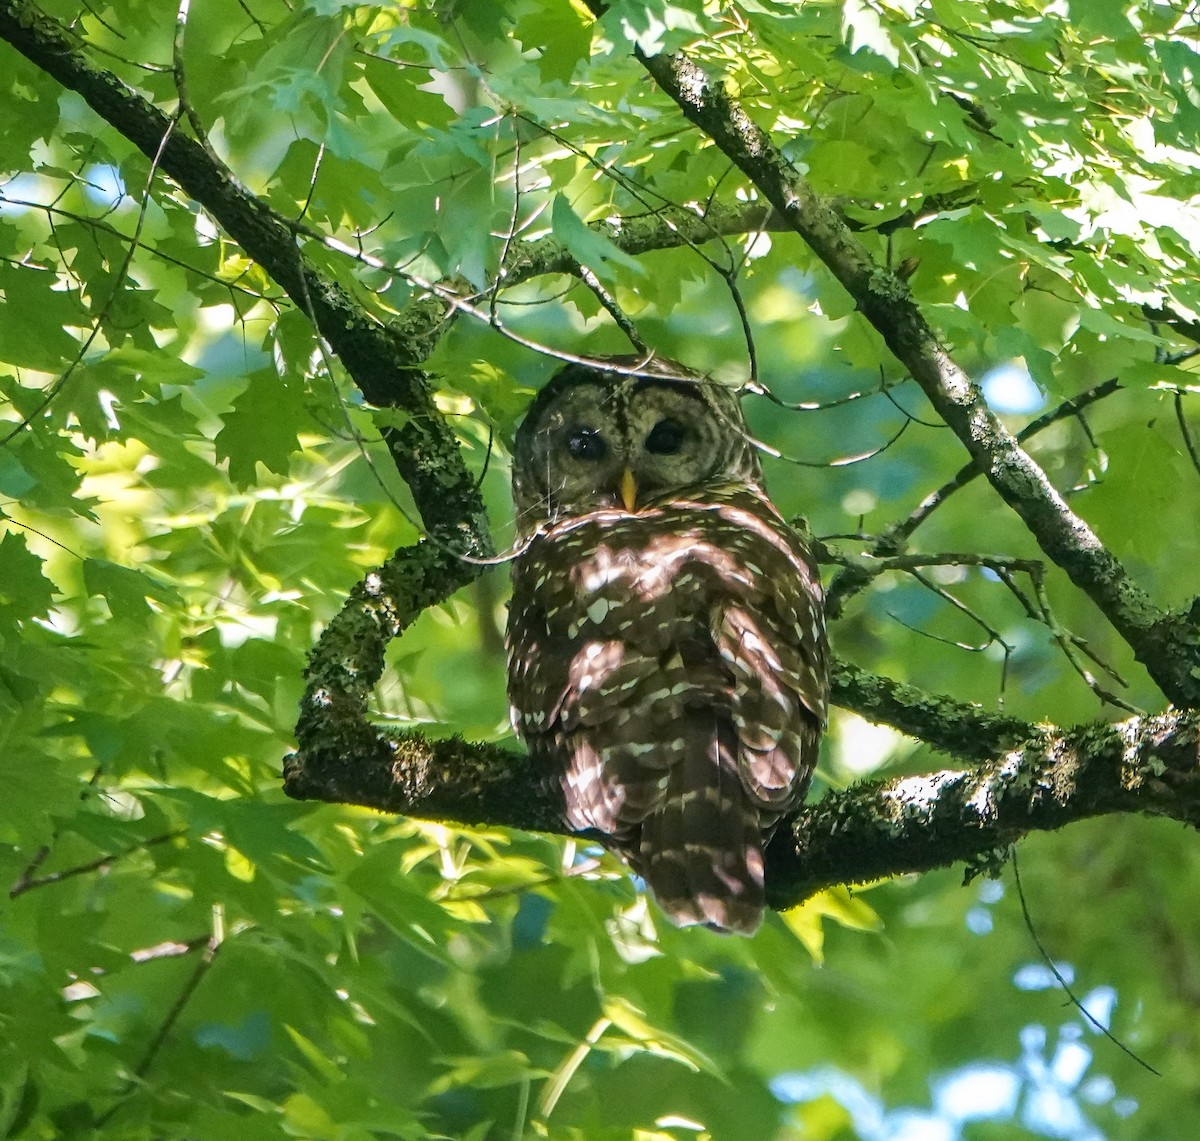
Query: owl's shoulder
732, 513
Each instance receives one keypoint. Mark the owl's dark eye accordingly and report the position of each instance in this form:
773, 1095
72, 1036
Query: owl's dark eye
587, 444
666, 438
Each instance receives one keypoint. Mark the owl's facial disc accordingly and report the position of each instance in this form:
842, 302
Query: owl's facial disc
595, 439
674, 440
576, 451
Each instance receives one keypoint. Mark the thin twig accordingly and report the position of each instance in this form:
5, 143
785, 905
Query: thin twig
211, 947
872, 567
108, 228
185, 105
1186, 432
837, 461
994, 635
312, 182
758, 388
1073, 407
893, 540
510, 232
27, 881
1069, 644
609, 302
1062, 982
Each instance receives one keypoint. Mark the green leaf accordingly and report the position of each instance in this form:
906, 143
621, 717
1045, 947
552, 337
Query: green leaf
37, 314
863, 28
588, 247
25, 592
261, 428
561, 34
125, 589
162, 367
805, 921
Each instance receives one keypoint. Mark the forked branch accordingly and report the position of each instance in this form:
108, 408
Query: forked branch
1165, 643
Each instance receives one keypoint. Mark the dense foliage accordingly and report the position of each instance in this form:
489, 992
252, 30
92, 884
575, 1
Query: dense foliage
192, 482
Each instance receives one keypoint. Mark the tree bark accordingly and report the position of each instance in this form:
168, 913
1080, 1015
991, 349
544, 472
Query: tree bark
870, 831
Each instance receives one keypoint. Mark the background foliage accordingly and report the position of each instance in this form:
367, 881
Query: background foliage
189, 487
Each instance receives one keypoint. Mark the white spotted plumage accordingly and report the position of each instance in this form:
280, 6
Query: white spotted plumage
667, 656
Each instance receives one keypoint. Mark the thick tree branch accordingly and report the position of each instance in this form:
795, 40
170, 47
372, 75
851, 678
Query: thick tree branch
952, 727
382, 360
345, 760
872, 830
333, 731
668, 228
1166, 644
914, 824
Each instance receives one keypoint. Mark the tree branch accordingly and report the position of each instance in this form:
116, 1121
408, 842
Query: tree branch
1036, 779
333, 731
880, 828
915, 824
848, 581
1165, 643
668, 228
451, 779
673, 226
382, 359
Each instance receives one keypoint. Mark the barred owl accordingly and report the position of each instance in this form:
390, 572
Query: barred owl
666, 640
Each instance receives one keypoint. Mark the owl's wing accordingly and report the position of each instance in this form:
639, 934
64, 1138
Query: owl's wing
773, 720
575, 676
768, 628
753, 737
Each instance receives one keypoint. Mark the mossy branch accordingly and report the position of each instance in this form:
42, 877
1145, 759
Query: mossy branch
876, 829
1167, 644
1030, 778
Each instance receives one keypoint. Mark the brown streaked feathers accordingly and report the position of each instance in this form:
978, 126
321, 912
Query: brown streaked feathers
667, 664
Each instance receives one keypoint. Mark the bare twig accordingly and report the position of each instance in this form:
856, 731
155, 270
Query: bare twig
1062, 982
185, 105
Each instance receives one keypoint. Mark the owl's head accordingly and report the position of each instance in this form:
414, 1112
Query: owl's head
594, 439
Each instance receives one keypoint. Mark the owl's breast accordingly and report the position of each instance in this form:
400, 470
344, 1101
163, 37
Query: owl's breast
683, 605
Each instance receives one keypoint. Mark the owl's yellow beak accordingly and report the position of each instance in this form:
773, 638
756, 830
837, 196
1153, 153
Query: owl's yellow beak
628, 490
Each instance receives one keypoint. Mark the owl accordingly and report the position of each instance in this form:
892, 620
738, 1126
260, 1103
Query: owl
667, 658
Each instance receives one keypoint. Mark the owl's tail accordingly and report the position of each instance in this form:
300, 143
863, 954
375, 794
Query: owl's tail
701, 849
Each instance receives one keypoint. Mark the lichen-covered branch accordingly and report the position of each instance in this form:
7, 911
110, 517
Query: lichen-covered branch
1037, 779
668, 228
914, 824
345, 760
952, 727
382, 360
335, 737
1164, 643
